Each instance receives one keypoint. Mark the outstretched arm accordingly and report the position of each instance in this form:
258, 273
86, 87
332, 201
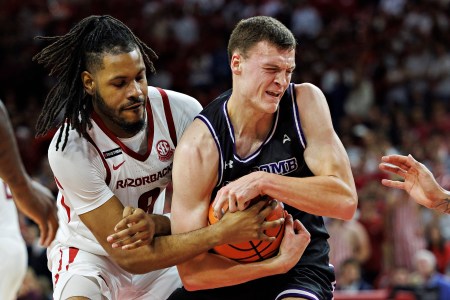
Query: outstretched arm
31, 198
418, 182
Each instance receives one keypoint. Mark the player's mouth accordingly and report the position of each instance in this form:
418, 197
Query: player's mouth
134, 106
273, 94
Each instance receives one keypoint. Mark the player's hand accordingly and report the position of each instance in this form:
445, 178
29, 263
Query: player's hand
250, 224
418, 181
295, 240
135, 230
238, 194
37, 203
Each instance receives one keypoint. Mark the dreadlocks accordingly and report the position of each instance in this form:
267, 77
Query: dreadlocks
82, 48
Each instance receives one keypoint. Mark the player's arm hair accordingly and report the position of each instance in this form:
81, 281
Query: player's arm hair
12, 170
163, 226
162, 252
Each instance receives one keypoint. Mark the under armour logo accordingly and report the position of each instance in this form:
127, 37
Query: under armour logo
229, 164
286, 139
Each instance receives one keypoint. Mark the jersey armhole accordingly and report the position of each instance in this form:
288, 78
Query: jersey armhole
219, 148
295, 109
108, 171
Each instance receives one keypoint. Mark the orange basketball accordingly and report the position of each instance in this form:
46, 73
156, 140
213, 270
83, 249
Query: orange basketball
254, 250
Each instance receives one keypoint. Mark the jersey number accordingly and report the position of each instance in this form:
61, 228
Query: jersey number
147, 200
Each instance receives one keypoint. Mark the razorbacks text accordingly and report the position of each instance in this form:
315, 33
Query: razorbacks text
135, 182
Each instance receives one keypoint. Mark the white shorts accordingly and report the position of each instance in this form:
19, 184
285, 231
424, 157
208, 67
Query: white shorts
114, 282
13, 267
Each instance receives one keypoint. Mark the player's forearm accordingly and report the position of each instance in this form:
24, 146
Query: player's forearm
12, 170
213, 271
319, 195
441, 200
162, 224
169, 250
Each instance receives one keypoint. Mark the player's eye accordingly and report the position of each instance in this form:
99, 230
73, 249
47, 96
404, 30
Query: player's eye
119, 84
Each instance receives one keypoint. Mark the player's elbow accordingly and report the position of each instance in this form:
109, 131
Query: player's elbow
189, 280
191, 284
348, 206
131, 265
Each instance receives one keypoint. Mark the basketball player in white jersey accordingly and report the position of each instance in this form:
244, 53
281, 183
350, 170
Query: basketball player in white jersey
115, 148
32, 198
12, 247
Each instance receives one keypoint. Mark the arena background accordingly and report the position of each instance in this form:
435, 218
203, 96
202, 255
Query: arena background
383, 65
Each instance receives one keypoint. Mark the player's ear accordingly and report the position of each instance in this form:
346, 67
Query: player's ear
236, 61
88, 82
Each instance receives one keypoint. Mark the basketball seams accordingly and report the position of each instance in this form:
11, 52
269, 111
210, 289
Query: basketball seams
255, 250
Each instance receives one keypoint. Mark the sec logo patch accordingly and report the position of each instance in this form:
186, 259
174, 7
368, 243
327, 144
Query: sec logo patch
165, 152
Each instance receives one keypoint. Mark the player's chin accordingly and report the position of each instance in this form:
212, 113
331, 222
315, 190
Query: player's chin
270, 104
271, 108
132, 118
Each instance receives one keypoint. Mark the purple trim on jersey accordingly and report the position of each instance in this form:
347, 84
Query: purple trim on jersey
216, 140
333, 284
169, 117
108, 171
231, 129
298, 123
296, 293
230, 126
115, 139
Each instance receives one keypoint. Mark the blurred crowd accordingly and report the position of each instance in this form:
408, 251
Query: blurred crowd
384, 66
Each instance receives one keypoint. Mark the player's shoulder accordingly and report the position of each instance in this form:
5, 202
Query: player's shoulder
74, 145
175, 98
309, 94
197, 139
182, 106
306, 87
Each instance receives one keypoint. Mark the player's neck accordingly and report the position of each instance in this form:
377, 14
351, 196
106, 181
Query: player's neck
251, 128
247, 121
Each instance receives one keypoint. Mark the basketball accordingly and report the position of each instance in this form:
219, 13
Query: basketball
254, 250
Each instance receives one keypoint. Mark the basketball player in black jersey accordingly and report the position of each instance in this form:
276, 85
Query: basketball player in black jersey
266, 136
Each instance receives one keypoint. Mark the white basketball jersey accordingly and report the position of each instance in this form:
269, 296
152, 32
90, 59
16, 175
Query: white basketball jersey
92, 169
13, 251
9, 222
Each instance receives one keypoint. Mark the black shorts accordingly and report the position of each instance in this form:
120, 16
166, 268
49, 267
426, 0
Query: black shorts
308, 283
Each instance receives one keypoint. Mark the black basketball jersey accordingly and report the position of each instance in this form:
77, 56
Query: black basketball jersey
281, 153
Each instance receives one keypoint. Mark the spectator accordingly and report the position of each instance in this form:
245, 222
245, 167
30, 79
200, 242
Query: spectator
350, 278
429, 278
439, 246
348, 239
